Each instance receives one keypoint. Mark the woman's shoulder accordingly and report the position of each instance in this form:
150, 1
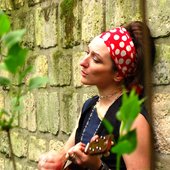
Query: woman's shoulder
89, 102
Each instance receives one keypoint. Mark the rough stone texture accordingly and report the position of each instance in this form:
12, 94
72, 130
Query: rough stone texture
60, 69
118, 13
1, 99
41, 66
55, 145
50, 113
36, 148
158, 17
162, 162
19, 3
8, 165
161, 119
162, 65
42, 112
6, 5
33, 2
25, 20
53, 112
77, 56
46, 27
19, 143
92, 20
2, 163
70, 30
4, 147
68, 113
28, 115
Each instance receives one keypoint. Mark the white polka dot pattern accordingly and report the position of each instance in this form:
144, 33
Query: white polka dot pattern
121, 48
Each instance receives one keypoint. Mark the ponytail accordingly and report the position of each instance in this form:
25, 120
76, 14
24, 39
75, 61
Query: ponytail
136, 30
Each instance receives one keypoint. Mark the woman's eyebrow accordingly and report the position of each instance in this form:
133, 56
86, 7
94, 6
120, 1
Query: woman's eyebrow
88, 48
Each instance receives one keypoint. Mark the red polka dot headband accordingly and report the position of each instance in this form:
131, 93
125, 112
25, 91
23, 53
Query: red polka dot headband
121, 48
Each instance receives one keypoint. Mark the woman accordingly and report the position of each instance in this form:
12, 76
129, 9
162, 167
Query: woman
114, 59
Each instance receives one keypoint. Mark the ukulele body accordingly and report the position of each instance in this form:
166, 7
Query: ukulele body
97, 147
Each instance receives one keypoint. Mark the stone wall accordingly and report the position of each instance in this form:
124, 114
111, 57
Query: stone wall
56, 35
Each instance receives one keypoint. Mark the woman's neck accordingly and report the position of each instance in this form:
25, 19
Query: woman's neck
109, 92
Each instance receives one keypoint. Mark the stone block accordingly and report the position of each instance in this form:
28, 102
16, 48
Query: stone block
2, 162
60, 69
6, 5
9, 102
53, 112
70, 23
30, 168
28, 115
158, 17
161, 120
4, 146
19, 143
19, 3
42, 111
19, 166
161, 72
36, 148
121, 12
55, 145
77, 57
46, 27
25, 20
33, 2
48, 112
41, 66
68, 112
2, 99
162, 161
92, 19
8, 164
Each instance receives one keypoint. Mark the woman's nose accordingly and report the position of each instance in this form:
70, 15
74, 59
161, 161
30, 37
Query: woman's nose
85, 61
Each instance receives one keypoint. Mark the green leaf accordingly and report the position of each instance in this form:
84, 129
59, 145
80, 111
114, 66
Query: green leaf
25, 73
17, 103
37, 82
126, 143
6, 120
13, 37
4, 23
129, 110
15, 58
108, 125
4, 81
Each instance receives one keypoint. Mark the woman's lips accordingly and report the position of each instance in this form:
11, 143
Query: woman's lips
83, 73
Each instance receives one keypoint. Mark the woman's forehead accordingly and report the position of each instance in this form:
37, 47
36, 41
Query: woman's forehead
97, 44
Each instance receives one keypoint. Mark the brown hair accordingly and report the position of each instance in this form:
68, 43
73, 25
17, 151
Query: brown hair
136, 30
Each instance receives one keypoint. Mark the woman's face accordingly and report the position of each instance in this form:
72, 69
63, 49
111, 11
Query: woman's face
97, 66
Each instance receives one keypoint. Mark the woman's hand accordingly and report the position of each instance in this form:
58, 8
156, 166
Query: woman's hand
51, 161
77, 155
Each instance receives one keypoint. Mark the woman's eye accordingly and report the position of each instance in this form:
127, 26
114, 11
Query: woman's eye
87, 52
95, 59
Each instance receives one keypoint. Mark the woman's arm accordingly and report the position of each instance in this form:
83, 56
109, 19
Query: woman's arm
140, 159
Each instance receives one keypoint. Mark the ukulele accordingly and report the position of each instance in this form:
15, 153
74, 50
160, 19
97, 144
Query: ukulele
98, 147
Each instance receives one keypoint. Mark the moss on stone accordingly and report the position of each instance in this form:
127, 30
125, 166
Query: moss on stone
67, 7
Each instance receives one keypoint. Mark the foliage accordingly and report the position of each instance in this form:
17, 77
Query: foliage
14, 63
127, 114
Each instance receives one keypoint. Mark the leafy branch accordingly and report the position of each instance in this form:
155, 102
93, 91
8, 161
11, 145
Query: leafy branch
14, 63
127, 114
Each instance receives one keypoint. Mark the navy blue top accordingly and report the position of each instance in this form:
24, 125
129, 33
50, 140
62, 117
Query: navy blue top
111, 117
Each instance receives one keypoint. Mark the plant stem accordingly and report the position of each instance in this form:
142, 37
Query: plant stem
118, 162
11, 150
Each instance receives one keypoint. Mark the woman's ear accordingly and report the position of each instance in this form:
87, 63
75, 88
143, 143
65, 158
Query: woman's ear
117, 77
